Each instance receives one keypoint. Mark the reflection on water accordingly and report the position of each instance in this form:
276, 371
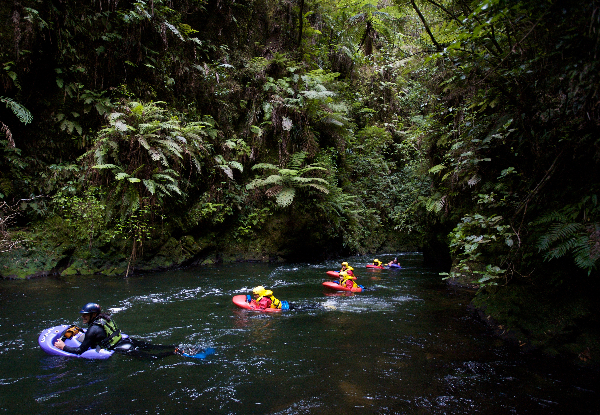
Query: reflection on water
406, 345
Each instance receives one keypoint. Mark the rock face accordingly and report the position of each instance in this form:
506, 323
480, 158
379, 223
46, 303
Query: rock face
42, 258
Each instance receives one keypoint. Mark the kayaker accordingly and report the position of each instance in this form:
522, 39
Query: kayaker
347, 280
393, 262
264, 298
103, 332
377, 262
347, 268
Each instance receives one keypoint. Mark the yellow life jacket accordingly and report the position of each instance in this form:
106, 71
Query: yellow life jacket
275, 303
345, 277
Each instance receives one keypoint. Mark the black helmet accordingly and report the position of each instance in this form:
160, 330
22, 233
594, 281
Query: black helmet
91, 308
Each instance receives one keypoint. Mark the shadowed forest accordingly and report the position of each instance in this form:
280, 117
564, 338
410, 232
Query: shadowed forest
146, 135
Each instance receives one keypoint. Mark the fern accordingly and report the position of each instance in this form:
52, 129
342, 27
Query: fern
285, 197
19, 110
237, 166
283, 184
264, 166
566, 235
150, 185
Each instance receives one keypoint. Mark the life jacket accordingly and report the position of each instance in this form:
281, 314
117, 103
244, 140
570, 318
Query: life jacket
113, 334
348, 283
347, 269
346, 278
275, 303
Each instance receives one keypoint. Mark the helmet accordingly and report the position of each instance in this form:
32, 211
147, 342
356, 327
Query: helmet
260, 290
91, 308
345, 264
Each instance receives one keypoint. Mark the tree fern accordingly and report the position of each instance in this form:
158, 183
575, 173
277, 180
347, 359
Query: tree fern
566, 235
283, 185
144, 148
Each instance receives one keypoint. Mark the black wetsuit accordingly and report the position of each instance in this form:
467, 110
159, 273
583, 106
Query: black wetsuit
93, 337
95, 334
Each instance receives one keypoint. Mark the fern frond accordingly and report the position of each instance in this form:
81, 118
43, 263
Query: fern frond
174, 188
146, 128
227, 170
144, 143
266, 166
285, 197
297, 160
272, 179
155, 154
19, 110
165, 177
196, 163
105, 166
319, 188
172, 146
311, 168
150, 185
288, 172
435, 205
237, 165
584, 256
307, 180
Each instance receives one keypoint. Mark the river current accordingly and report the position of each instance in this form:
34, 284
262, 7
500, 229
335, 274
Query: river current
406, 345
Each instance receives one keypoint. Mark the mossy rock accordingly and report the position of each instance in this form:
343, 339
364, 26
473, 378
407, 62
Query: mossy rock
30, 262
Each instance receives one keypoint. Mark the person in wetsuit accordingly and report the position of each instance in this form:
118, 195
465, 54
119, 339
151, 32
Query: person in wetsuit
347, 280
393, 262
103, 332
347, 268
265, 298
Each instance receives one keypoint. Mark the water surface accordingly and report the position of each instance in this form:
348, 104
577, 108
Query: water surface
406, 345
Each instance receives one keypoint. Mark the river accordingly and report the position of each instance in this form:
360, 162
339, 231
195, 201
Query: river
406, 345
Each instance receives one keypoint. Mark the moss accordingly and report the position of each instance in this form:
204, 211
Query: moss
29, 262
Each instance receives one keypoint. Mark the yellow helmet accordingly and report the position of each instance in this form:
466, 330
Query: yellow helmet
343, 274
260, 290
345, 264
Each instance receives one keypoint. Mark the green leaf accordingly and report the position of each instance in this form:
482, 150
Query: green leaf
285, 197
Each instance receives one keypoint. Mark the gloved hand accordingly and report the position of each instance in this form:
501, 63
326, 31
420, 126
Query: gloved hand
70, 332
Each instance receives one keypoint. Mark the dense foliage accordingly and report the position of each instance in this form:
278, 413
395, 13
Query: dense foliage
469, 129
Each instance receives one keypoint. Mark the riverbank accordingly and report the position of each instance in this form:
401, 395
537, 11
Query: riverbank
559, 323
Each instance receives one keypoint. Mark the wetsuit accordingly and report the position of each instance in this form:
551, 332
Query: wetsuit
96, 335
93, 337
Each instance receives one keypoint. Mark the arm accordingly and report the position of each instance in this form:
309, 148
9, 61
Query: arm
93, 336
